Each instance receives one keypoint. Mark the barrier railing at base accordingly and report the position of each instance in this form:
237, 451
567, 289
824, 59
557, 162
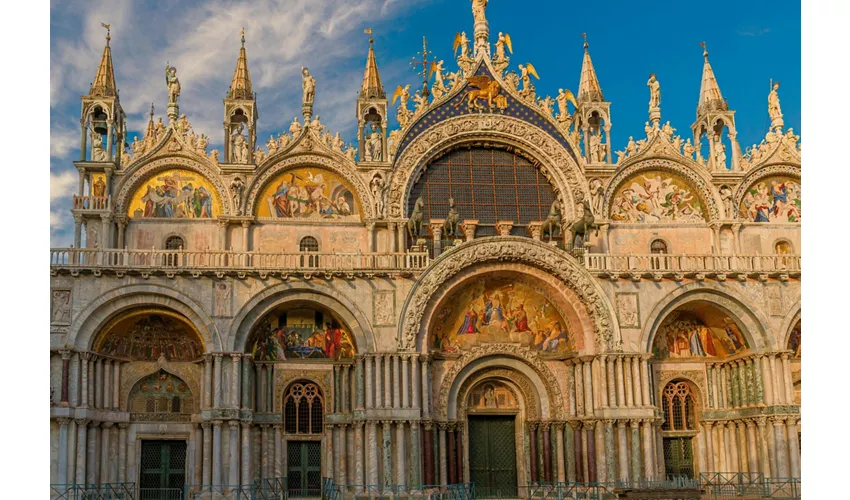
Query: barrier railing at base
107, 491
219, 492
333, 491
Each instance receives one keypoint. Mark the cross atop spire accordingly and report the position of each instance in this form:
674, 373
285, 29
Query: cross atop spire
104, 81
371, 87
588, 86
710, 98
240, 86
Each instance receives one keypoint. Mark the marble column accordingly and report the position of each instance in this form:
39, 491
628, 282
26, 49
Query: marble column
107, 382
764, 446
610, 462
590, 438
368, 362
623, 451
337, 390
400, 451
782, 468
459, 451
405, 381
113, 454
80, 473
767, 380
236, 371
359, 388
752, 447
257, 449
627, 371
197, 472
66, 373
105, 431
372, 451
336, 467
731, 447
98, 383
778, 390
246, 381
532, 441
789, 382
217, 382
343, 455
395, 381
621, 397
644, 375
743, 460
62, 459
598, 370
443, 453
428, 442
638, 390
379, 378
415, 466
84, 379
261, 387
207, 467
559, 452
233, 478
452, 454
725, 390
425, 360
346, 391
571, 389
636, 468
648, 450
116, 386
708, 439
588, 390
793, 446
217, 452
266, 457
388, 382
278, 451
122, 451
92, 453
358, 451
247, 477
547, 451
700, 453
611, 382
569, 452
386, 446
755, 367
207, 403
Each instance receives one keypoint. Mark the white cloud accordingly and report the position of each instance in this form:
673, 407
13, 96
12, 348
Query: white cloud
62, 185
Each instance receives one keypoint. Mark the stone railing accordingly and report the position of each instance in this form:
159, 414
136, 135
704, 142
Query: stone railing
218, 260
666, 264
92, 202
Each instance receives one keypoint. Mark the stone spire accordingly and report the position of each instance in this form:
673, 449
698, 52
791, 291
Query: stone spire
240, 87
588, 86
104, 81
372, 87
710, 98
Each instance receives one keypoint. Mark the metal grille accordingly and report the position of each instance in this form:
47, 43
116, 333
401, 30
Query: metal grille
492, 456
658, 246
174, 243
679, 456
303, 410
163, 470
309, 244
304, 471
678, 407
486, 184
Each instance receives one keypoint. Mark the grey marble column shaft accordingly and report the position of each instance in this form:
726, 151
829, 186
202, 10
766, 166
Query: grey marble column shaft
107, 385
233, 443
620, 374
92, 453
767, 380
644, 371
426, 386
217, 452
648, 450
207, 465
782, 469
104, 451
386, 447
638, 390
278, 451
207, 383
394, 381
82, 427
236, 371
405, 381
627, 371
197, 472
98, 383
379, 379
62, 459
415, 449
359, 388
793, 447
752, 447
569, 452
358, 453
623, 443
415, 383
246, 381
84, 379
247, 476
217, 381
368, 362
372, 451
636, 468
400, 451
609, 449
443, 455
113, 454
611, 382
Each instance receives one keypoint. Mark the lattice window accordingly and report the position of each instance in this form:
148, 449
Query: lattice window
303, 409
658, 246
679, 411
174, 243
486, 184
309, 244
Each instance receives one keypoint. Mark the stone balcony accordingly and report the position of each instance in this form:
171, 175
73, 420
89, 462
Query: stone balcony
677, 267
92, 203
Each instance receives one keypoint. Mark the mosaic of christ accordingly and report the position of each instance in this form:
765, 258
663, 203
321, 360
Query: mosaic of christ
499, 309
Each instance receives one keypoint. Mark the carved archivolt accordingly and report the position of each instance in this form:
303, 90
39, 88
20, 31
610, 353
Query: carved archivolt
698, 180
557, 164
311, 159
140, 174
509, 249
760, 173
526, 387
527, 356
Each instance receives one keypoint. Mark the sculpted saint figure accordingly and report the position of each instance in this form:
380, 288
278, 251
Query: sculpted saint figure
478, 8
338, 143
173, 83
464, 45
295, 127
688, 149
159, 128
98, 153
720, 156
236, 189
500, 46
773, 108
654, 92
308, 86
237, 140
726, 196
377, 186
272, 145
316, 124
375, 145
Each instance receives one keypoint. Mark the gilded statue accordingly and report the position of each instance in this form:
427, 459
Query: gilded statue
773, 107
308, 87
173, 83
461, 42
526, 72
552, 225
439, 87
403, 115
478, 11
546, 105
486, 89
564, 97
503, 41
420, 102
654, 92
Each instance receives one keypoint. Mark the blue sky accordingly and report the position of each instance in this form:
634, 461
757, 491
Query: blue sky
749, 43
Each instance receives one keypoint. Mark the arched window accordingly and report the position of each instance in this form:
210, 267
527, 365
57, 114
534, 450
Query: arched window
309, 244
783, 247
658, 247
679, 428
303, 409
174, 243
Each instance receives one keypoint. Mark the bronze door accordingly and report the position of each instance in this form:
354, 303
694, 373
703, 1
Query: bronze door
492, 456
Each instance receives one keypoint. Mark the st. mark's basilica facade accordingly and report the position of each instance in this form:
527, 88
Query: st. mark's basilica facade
492, 293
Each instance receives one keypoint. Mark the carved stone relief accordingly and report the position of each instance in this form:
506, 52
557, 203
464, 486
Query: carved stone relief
60, 307
628, 312
223, 293
383, 307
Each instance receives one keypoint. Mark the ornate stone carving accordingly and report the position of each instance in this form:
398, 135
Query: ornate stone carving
511, 249
525, 385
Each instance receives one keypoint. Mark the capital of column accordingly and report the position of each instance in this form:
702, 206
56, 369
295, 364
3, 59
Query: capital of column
786, 356
277, 426
106, 217
575, 424
122, 221
223, 223
93, 424
247, 223
414, 424
370, 226
359, 425
217, 423
106, 425
66, 354
608, 422
218, 354
245, 425
443, 426
761, 422
589, 424
234, 424
386, 424
427, 424
81, 422
123, 425
532, 425
64, 420
85, 355
779, 420
205, 425
235, 355
634, 423
544, 426
621, 424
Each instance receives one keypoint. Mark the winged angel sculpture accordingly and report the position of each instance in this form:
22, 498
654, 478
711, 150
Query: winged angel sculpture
484, 89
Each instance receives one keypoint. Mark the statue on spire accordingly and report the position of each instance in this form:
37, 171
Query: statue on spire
478, 11
173, 83
773, 107
654, 99
308, 93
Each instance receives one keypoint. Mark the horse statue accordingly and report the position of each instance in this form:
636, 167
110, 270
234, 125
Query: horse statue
450, 227
552, 224
583, 225
414, 225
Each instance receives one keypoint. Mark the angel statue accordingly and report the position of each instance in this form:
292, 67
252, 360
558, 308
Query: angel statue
654, 92
564, 96
504, 40
439, 87
462, 42
478, 8
525, 71
402, 93
173, 83
420, 102
308, 86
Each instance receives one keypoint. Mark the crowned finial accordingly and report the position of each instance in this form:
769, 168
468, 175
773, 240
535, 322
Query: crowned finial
108, 38
243, 36
584, 35
368, 31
